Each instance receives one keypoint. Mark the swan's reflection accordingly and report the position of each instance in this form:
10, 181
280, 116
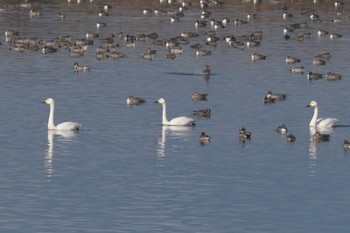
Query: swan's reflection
177, 131
48, 159
313, 147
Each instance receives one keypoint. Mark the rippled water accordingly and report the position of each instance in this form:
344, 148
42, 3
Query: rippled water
124, 172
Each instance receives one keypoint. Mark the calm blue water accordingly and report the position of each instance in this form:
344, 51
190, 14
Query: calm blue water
124, 172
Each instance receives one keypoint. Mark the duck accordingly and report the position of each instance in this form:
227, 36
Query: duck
80, 68
178, 121
291, 138
202, 112
334, 35
292, 60
282, 129
320, 137
314, 76
276, 96
133, 100
48, 49
202, 53
321, 122
297, 69
243, 133
206, 70
346, 144
258, 57
68, 125
268, 100
197, 96
330, 76
317, 61
204, 138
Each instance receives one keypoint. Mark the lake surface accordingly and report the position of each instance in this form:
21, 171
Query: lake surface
124, 171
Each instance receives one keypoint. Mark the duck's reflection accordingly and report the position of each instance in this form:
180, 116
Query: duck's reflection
175, 131
48, 159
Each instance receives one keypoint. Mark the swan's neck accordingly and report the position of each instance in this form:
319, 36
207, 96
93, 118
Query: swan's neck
51, 124
164, 118
314, 118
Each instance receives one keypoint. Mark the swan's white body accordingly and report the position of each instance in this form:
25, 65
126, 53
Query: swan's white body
178, 121
321, 122
68, 125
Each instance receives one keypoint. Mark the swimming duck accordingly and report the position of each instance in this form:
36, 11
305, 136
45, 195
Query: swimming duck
320, 137
317, 61
202, 112
206, 71
197, 96
291, 138
282, 129
178, 121
334, 35
322, 32
133, 100
49, 49
346, 144
314, 76
321, 122
243, 133
258, 57
202, 52
291, 60
204, 138
276, 96
80, 68
330, 76
297, 69
268, 100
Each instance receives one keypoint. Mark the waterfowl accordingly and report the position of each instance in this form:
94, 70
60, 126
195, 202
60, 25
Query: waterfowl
297, 69
276, 96
133, 100
287, 15
258, 57
334, 35
268, 100
291, 138
330, 76
178, 121
322, 32
282, 129
34, 12
80, 68
324, 55
48, 49
243, 133
197, 96
202, 52
314, 76
69, 125
291, 60
320, 137
100, 24
321, 122
204, 138
202, 112
206, 70
346, 144
318, 61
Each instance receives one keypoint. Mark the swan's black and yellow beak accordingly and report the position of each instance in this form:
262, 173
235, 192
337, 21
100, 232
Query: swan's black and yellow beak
157, 102
308, 106
44, 101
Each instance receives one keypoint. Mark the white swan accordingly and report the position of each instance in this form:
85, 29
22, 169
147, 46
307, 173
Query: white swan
321, 122
69, 125
178, 121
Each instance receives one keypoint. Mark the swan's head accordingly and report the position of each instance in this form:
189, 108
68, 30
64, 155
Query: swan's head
160, 101
312, 104
48, 101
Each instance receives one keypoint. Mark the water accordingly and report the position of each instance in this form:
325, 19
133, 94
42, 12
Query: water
124, 172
